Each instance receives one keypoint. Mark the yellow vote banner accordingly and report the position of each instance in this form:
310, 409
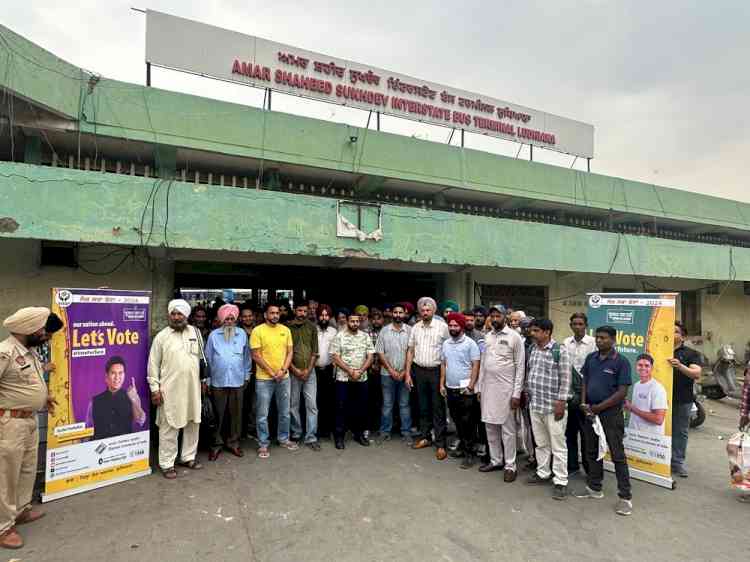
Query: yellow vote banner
645, 325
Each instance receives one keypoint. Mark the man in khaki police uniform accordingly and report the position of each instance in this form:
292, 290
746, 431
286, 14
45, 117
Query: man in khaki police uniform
22, 393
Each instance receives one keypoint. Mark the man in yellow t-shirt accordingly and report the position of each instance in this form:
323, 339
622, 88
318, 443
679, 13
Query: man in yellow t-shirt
271, 345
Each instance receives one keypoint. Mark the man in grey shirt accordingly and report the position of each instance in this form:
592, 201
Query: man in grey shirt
391, 347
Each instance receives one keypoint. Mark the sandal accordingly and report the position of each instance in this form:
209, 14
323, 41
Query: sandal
290, 445
169, 473
263, 453
192, 465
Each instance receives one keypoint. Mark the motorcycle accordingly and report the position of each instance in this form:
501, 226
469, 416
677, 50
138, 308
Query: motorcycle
721, 381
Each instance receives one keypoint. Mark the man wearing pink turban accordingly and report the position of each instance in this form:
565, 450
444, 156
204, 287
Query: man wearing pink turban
229, 363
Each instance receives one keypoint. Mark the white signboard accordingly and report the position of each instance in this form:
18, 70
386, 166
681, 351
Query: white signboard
198, 48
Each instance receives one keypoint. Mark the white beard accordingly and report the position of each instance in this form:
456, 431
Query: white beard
228, 333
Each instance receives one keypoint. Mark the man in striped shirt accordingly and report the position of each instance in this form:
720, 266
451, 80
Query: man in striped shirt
423, 360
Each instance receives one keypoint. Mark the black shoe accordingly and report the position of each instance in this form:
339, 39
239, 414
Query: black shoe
489, 467
534, 478
457, 454
363, 440
560, 492
340, 443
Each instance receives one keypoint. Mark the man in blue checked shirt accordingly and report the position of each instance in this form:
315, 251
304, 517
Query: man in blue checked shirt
228, 356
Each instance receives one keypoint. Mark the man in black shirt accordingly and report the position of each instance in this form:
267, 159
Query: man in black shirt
686, 366
116, 411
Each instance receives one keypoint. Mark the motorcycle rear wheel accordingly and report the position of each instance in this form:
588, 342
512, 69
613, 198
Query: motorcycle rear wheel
699, 417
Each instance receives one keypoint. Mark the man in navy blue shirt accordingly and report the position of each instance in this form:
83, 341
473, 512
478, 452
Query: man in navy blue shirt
606, 377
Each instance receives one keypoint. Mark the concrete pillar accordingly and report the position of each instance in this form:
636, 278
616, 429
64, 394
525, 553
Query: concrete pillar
162, 291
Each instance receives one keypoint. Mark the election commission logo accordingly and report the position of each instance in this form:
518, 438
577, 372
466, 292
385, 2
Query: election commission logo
64, 298
595, 301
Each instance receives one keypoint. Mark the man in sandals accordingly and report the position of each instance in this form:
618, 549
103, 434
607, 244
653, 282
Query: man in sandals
271, 346
22, 394
174, 379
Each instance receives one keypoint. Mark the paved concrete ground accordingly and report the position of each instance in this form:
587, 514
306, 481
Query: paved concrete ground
392, 503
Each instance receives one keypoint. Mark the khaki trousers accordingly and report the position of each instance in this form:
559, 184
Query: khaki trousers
168, 444
549, 434
19, 442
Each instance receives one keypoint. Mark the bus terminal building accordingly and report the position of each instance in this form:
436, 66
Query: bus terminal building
106, 183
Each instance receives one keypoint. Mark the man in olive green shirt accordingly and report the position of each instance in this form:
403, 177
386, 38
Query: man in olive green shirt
305, 354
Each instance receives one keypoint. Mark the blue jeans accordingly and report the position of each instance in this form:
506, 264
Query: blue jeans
392, 391
307, 388
680, 426
264, 392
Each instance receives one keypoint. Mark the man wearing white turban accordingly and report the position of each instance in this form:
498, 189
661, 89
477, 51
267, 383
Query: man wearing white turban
174, 379
22, 393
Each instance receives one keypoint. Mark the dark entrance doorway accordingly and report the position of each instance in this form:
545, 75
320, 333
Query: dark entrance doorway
334, 286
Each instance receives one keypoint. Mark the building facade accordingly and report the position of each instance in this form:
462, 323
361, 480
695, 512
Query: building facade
105, 183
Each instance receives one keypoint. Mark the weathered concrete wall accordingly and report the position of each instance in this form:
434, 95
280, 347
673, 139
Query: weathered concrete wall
116, 209
24, 282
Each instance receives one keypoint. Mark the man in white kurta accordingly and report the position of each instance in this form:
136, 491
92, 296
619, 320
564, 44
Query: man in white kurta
174, 379
501, 378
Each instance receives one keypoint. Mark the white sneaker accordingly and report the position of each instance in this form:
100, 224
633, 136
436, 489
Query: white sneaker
624, 507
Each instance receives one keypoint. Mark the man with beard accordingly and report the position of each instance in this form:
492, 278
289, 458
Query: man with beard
174, 380
228, 357
515, 319
393, 341
424, 357
480, 319
500, 384
324, 371
22, 393
271, 345
387, 314
115, 411
471, 329
352, 352
304, 379
458, 377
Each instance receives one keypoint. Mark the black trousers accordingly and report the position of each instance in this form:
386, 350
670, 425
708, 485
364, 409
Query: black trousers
613, 423
463, 411
374, 400
574, 430
326, 399
431, 403
351, 408
481, 438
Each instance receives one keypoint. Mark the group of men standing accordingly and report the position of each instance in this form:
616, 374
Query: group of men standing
502, 384
496, 382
